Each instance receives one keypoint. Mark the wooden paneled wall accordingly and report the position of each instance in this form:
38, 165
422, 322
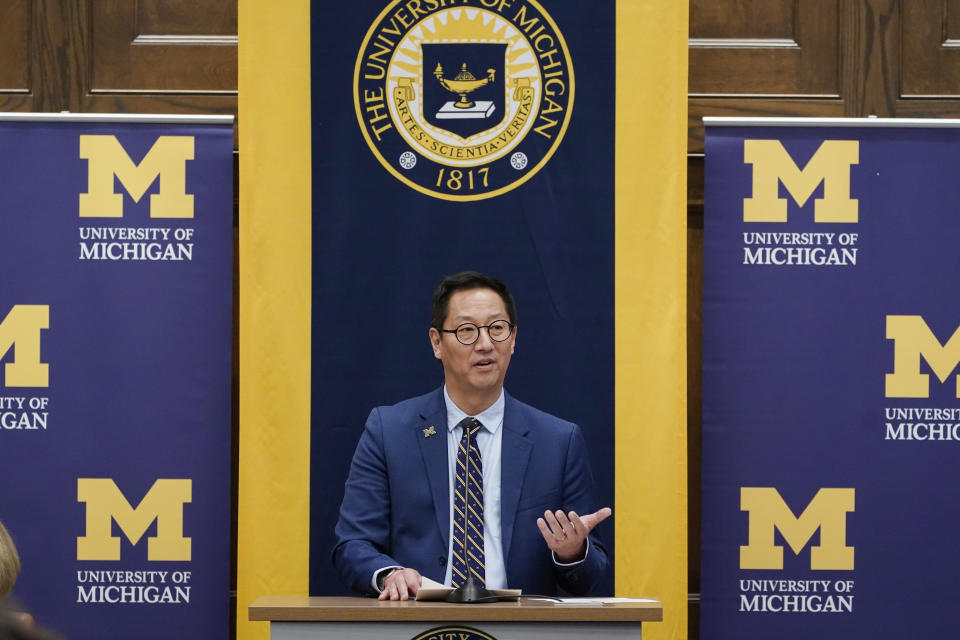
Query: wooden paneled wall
805, 58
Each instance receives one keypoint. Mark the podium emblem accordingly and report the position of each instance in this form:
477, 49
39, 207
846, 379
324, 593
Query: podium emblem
460, 633
463, 103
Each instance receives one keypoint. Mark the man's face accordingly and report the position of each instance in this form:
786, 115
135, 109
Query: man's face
477, 369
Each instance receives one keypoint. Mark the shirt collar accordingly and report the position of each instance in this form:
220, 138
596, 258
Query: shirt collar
491, 417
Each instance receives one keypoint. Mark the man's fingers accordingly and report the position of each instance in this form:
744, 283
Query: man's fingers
547, 534
544, 529
412, 581
398, 586
552, 522
578, 525
600, 515
593, 519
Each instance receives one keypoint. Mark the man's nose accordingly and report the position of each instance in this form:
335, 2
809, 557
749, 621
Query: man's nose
483, 340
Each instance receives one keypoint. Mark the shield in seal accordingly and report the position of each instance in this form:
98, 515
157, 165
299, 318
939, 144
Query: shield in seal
463, 86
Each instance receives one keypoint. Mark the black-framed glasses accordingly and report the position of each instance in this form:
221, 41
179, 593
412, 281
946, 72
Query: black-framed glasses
467, 333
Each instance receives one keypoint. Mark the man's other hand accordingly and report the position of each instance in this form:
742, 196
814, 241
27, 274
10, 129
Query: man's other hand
566, 534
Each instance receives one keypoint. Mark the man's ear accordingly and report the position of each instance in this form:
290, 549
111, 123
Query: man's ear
435, 342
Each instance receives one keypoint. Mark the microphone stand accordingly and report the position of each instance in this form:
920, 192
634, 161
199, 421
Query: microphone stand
471, 591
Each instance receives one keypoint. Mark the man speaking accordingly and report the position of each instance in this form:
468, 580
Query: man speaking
467, 479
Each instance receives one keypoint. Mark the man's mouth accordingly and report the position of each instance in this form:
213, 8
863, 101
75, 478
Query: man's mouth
483, 364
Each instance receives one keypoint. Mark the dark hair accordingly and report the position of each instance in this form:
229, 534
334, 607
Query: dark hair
464, 281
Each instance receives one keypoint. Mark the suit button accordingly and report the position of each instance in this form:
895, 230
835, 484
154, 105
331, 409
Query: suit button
442, 560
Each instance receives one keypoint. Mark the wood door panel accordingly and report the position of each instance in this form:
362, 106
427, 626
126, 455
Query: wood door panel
930, 61
744, 19
153, 54
187, 17
16, 83
779, 47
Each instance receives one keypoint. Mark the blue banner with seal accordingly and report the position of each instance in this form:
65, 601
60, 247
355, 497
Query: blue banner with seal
831, 417
116, 246
448, 136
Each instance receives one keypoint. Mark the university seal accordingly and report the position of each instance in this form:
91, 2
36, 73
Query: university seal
463, 99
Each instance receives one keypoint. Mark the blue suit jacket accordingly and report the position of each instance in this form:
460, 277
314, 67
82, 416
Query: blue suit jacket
396, 503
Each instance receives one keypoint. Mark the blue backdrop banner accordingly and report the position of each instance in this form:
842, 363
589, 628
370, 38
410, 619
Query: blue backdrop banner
116, 249
451, 136
831, 418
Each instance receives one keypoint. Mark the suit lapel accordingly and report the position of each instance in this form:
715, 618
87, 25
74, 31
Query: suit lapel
432, 437
515, 453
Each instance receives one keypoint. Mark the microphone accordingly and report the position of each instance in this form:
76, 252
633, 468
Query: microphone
471, 591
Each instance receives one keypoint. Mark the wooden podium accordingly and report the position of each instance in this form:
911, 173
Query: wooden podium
303, 618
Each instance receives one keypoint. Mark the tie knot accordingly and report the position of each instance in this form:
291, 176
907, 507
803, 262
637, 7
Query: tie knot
470, 425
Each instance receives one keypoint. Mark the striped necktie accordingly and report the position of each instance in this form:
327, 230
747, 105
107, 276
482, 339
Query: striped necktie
468, 508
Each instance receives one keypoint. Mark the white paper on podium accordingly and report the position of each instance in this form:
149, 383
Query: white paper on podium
431, 590
592, 602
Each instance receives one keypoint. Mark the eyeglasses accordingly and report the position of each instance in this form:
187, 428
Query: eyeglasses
467, 333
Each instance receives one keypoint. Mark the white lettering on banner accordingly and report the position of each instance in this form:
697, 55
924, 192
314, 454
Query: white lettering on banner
124, 233
785, 585
153, 244
818, 257
921, 424
141, 586
23, 413
121, 577
152, 251
133, 595
796, 596
29, 420
813, 248
777, 238
796, 604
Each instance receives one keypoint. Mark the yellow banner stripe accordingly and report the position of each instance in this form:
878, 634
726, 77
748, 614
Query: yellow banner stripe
650, 263
273, 503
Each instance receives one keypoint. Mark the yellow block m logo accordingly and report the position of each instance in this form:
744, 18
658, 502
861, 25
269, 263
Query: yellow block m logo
163, 503
20, 330
829, 165
167, 159
827, 512
912, 338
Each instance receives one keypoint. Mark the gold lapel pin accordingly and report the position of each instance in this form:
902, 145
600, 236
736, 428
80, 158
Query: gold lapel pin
429, 432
